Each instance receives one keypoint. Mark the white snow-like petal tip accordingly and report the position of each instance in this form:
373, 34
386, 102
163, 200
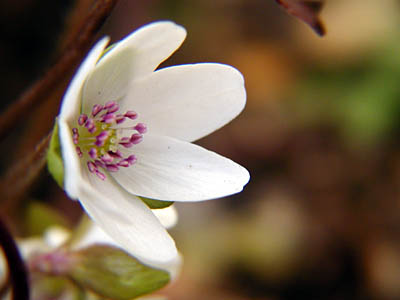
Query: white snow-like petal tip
243, 178
229, 76
173, 170
235, 183
176, 35
163, 26
238, 82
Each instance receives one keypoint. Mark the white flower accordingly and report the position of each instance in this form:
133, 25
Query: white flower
125, 131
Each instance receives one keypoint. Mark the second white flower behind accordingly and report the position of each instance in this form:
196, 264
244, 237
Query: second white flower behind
125, 130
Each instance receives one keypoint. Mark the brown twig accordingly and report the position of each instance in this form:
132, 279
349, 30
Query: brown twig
72, 55
21, 175
5, 287
16, 267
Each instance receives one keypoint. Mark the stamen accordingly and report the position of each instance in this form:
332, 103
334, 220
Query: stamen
89, 124
93, 153
116, 154
110, 104
113, 108
141, 128
119, 119
126, 142
96, 109
136, 138
99, 143
99, 163
131, 115
78, 150
132, 159
107, 158
123, 163
108, 118
82, 119
102, 136
100, 175
92, 167
127, 161
75, 136
112, 167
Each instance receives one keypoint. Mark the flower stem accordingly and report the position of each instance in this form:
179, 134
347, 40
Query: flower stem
16, 268
42, 88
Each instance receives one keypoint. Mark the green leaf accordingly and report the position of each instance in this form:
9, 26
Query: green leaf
112, 273
154, 204
55, 287
39, 217
54, 159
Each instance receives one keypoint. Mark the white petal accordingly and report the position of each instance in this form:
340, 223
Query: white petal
95, 235
174, 267
126, 219
72, 164
173, 170
188, 101
68, 117
108, 81
168, 216
136, 56
71, 102
151, 45
56, 236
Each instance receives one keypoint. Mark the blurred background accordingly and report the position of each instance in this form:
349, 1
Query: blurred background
320, 135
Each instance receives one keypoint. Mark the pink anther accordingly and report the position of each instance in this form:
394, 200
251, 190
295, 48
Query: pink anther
93, 153
136, 138
112, 167
82, 119
108, 118
131, 114
91, 166
110, 104
107, 158
141, 128
119, 119
96, 109
100, 175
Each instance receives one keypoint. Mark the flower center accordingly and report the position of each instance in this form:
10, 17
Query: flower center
99, 136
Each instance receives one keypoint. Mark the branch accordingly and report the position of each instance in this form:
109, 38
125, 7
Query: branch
73, 54
21, 175
16, 268
5, 287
